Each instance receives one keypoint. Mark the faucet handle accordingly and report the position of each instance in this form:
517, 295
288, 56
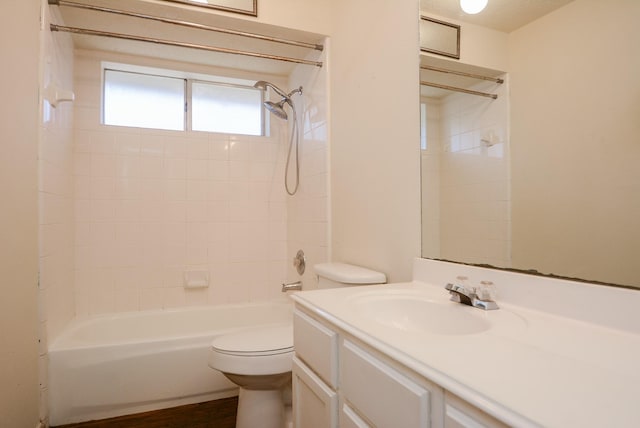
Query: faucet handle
486, 291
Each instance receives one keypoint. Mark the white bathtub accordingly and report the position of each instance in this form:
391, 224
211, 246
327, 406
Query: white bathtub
135, 362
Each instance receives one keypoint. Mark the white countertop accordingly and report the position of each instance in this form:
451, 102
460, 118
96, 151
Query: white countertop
531, 368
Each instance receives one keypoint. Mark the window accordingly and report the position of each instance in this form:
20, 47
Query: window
144, 101
226, 108
150, 99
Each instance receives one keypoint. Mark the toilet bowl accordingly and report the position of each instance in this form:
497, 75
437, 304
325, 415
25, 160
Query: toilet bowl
259, 361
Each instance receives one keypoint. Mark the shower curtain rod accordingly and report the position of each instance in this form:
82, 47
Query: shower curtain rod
461, 73
187, 24
76, 30
456, 89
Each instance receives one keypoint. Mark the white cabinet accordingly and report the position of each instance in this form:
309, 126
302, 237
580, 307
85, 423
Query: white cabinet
460, 414
315, 405
317, 346
315, 373
339, 381
381, 393
350, 419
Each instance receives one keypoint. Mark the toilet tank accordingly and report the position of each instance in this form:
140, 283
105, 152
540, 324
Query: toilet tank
332, 275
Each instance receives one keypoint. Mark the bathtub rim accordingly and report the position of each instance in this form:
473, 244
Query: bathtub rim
65, 341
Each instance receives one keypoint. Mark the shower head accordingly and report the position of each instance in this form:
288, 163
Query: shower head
261, 84
277, 108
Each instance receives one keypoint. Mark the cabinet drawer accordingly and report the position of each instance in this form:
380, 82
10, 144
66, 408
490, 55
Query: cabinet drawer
315, 405
350, 419
384, 396
317, 346
460, 414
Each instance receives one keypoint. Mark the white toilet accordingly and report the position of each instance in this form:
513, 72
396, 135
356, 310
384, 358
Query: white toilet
259, 359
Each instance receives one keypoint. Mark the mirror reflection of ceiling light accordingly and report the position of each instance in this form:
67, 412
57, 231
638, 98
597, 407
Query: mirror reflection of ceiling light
473, 6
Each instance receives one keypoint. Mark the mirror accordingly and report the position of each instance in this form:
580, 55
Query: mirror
546, 177
244, 7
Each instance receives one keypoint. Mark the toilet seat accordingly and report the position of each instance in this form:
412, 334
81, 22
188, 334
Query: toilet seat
256, 351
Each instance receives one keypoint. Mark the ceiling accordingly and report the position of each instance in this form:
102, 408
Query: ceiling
501, 15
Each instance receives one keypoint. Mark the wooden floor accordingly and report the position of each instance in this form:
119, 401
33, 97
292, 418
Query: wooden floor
212, 414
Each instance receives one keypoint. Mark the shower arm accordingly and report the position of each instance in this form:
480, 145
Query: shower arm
261, 84
295, 91
287, 98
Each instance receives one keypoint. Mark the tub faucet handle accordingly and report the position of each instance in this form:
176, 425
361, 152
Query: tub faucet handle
300, 262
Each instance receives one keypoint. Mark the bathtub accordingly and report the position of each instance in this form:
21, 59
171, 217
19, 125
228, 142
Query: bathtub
135, 362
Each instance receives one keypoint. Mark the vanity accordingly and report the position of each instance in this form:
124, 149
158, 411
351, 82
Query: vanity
556, 353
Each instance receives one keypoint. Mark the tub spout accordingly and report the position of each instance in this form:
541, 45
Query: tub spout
291, 286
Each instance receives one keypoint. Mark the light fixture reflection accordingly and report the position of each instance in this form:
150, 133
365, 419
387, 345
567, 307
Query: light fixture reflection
473, 6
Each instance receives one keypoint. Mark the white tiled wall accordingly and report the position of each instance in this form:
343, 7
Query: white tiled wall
56, 228
307, 218
474, 191
151, 204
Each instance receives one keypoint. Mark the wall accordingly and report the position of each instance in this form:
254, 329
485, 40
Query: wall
377, 223
151, 204
373, 149
308, 210
56, 205
374, 134
18, 216
574, 80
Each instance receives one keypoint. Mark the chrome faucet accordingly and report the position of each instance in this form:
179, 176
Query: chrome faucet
291, 286
477, 297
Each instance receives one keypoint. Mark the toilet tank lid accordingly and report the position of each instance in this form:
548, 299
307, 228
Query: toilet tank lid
349, 274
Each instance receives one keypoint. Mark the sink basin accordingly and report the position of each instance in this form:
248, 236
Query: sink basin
418, 314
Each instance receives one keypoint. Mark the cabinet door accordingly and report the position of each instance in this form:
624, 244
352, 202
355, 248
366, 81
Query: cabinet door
383, 395
460, 414
315, 405
350, 419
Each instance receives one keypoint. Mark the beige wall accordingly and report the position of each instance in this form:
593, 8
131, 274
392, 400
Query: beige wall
574, 133
19, 41
374, 135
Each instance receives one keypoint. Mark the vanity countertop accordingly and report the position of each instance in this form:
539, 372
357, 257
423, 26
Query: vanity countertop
530, 368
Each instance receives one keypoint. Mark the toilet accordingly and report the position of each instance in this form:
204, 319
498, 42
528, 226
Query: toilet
259, 359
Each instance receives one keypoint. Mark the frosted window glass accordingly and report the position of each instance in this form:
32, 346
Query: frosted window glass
144, 101
229, 109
